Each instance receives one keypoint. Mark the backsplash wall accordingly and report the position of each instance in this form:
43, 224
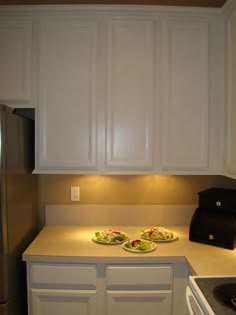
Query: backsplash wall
126, 190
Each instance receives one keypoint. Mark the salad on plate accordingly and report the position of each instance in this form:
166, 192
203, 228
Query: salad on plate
159, 234
110, 237
139, 245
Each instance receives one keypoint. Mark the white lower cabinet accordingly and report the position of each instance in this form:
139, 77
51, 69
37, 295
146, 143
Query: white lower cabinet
62, 302
81, 289
139, 289
139, 302
62, 289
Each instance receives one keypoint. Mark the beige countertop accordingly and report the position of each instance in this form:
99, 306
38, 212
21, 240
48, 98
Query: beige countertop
73, 244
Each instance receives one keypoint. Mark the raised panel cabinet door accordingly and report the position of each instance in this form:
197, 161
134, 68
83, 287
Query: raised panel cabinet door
231, 114
63, 302
139, 302
129, 94
15, 60
67, 109
186, 102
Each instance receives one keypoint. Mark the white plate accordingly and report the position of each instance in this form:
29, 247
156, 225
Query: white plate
110, 242
153, 247
175, 237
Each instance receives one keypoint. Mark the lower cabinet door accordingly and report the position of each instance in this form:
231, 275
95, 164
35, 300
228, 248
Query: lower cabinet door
63, 302
139, 302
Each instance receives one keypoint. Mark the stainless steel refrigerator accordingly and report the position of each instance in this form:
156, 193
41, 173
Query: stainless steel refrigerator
18, 207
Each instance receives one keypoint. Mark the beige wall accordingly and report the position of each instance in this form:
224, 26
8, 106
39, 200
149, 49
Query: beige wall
158, 189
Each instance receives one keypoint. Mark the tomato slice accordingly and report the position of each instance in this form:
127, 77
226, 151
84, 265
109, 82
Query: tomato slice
134, 242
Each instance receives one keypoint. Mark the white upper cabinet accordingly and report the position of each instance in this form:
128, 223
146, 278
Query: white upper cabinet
186, 106
130, 94
67, 100
15, 60
191, 128
129, 91
91, 120
231, 98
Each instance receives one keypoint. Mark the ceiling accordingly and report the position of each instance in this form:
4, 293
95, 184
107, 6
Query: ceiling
188, 3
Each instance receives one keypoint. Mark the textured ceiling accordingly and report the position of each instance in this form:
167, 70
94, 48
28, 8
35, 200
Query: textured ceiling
190, 3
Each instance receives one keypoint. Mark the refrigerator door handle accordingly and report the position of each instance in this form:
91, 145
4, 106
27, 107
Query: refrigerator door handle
3, 211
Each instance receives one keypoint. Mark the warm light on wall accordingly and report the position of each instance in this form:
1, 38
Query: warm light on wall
128, 189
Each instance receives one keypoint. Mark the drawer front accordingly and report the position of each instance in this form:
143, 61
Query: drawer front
56, 274
144, 276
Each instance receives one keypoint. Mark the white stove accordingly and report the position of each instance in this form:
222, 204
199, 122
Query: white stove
203, 296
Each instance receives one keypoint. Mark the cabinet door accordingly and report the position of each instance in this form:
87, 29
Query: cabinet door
231, 113
139, 302
67, 109
15, 60
186, 100
62, 302
130, 94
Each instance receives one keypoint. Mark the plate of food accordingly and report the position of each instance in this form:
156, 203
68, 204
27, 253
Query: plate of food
159, 234
139, 246
111, 237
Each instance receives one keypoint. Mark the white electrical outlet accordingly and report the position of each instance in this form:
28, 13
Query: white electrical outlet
75, 194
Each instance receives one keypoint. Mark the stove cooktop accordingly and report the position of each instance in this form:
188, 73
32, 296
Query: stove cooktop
209, 287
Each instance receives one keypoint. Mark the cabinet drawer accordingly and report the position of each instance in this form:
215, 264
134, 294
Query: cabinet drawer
56, 274
145, 276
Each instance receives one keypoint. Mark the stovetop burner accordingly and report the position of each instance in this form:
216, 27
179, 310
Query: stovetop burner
226, 294
218, 291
